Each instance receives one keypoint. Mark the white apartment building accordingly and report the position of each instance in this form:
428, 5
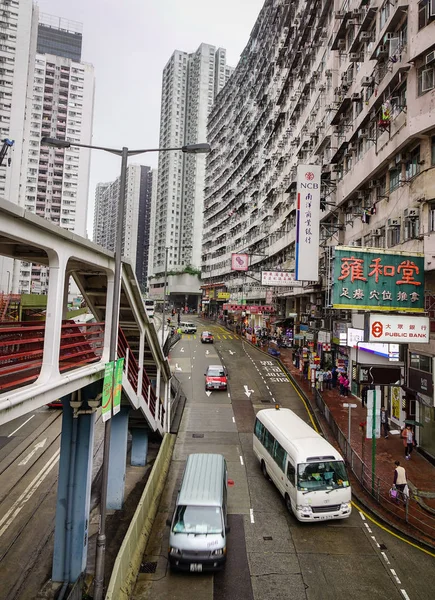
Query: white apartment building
190, 84
349, 86
136, 232
54, 181
18, 31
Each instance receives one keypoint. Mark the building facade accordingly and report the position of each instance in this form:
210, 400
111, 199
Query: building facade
54, 182
136, 235
348, 86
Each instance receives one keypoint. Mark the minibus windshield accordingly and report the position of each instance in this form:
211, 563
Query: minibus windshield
322, 476
198, 519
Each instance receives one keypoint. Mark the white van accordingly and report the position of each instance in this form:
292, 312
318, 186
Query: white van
306, 469
188, 327
197, 539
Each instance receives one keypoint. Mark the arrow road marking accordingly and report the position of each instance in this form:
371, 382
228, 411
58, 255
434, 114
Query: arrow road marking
177, 368
208, 394
181, 349
231, 352
29, 456
248, 392
207, 352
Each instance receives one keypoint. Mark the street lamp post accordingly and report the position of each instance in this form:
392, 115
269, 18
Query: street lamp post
201, 148
165, 283
8, 289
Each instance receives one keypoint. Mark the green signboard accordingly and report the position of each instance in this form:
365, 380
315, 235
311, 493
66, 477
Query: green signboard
376, 279
106, 403
119, 367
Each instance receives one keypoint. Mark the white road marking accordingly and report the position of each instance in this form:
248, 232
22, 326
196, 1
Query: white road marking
270, 392
394, 574
189, 376
251, 514
34, 451
405, 595
374, 539
231, 352
18, 428
208, 394
177, 368
241, 460
362, 516
19, 503
229, 395
248, 392
385, 557
267, 387
234, 420
181, 349
207, 352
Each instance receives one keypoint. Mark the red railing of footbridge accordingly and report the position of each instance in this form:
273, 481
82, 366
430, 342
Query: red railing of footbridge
22, 346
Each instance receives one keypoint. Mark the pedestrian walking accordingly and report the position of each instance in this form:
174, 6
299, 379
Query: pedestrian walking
305, 370
328, 379
346, 386
364, 391
384, 422
334, 376
408, 441
400, 482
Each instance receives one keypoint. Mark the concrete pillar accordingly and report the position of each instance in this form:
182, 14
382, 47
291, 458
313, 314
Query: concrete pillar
139, 446
117, 459
74, 491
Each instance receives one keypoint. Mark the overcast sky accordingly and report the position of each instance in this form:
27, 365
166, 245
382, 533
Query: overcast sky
129, 43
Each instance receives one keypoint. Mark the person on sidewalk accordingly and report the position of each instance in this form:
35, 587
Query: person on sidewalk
346, 386
341, 383
384, 422
408, 441
364, 391
334, 376
400, 479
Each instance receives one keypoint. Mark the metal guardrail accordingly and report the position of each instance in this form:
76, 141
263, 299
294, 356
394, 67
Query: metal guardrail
378, 488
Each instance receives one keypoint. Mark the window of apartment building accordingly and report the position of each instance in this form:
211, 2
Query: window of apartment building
385, 13
431, 217
395, 178
426, 12
393, 236
413, 163
425, 78
412, 228
398, 101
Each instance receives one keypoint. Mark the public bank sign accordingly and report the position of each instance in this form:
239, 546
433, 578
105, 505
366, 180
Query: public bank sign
375, 279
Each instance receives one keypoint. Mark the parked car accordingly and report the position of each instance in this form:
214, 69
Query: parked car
215, 378
206, 337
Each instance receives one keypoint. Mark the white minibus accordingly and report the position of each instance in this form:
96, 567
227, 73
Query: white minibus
149, 307
306, 469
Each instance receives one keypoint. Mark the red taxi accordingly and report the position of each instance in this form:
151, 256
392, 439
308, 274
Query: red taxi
215, 378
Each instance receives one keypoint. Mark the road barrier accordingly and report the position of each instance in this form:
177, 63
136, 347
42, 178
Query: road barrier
129, 557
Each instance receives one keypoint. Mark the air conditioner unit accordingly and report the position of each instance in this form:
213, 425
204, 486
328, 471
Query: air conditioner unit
382, 52
376, 232
394, 222
341, 45
365, 36
366, 81
355, 57
356, 97
430, 58
363, 133
373, 183
411, 213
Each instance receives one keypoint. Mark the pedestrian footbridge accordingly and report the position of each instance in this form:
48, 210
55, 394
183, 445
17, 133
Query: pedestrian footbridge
52, 356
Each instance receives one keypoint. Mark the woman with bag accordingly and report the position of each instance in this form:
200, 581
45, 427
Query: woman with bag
407, 436
399, 483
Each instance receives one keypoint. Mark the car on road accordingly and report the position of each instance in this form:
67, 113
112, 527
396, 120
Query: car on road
215, 378
206, 337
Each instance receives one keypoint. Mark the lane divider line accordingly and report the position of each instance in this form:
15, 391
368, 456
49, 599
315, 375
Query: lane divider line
18, 428
405, 595
385, 557
251, 514
387, 530
394, 574
19, 503
234, 420
374, 539
241, 460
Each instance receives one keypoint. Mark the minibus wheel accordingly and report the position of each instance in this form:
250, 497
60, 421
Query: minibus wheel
263, 468
288, 504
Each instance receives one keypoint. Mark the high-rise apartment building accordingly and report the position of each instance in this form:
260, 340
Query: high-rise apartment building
54, 181
190, 84
18, 32
349, 86
136, 233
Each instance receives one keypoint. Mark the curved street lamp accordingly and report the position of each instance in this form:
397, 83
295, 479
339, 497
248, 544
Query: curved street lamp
124, 152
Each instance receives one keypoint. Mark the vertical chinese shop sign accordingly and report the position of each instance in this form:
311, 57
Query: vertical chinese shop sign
378, 280
119, 367
307, 223
106, 403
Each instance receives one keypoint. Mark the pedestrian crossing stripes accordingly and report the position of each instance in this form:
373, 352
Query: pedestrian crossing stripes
189, 336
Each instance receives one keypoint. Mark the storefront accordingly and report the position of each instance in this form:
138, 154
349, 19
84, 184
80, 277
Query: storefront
420, 401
